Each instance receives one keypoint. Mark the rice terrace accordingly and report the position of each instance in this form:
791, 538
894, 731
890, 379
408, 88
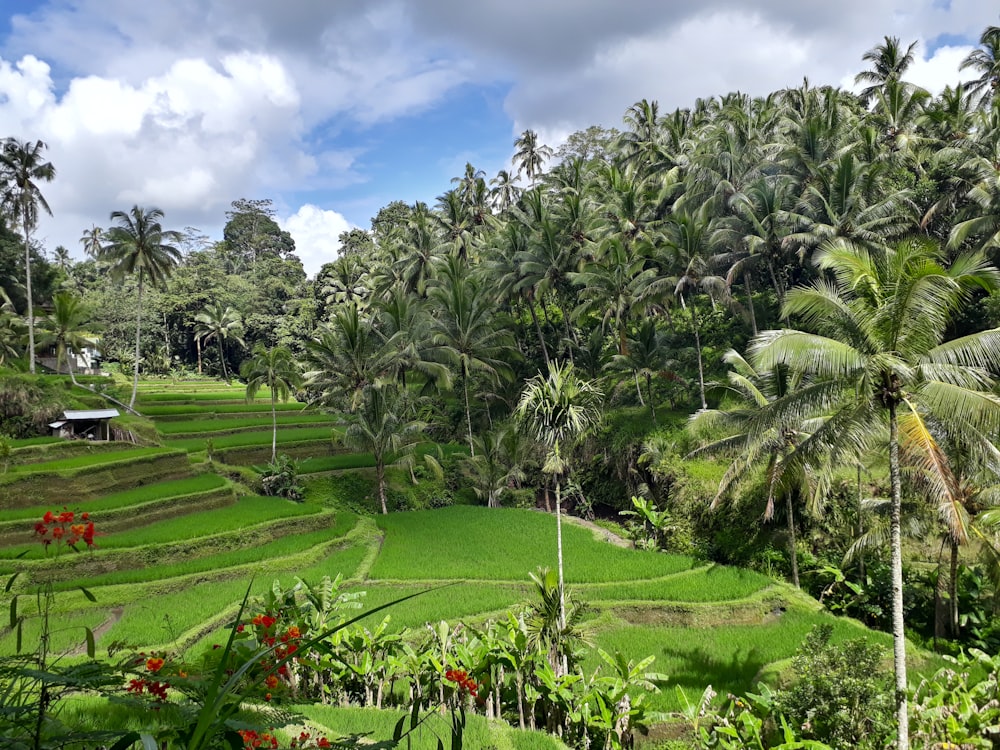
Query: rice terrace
677, 432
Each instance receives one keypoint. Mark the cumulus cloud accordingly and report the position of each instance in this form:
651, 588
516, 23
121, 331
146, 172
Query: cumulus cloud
315, 231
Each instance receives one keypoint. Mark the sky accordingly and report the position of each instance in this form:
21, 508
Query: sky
334, 108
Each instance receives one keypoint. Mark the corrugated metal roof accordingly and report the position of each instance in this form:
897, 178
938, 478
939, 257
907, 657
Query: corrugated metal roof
91, 414
57, 425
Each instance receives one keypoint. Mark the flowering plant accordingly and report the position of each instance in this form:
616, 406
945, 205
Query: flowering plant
65, 529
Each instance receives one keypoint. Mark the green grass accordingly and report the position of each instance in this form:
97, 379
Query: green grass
283, 547
465, 543
376, 726
221, 395
714, 584
262, 437
436, 602
176, 410
248, 511
336, 463
27, 442
222, 425
727, 657
137, 496
86, 462
67, 633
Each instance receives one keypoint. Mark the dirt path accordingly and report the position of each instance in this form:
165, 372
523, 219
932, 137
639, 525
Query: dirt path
601, 532
104, 627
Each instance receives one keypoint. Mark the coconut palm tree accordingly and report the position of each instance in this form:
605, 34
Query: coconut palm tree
139, 244
557, 410
92, 239
219, 323
880, 354
21, 171
986, 61
889, 62
65, 327
530, 157
384, 426
276, 370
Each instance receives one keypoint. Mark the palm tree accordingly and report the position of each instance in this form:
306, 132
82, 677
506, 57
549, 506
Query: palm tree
277, 370
64, 327
496, 465
889, 62
881, 356
383, 425
219, 323
465, 332
646, 356
530, 157
557, 410
986, 62
11, 330
139, 244
92, 239
21, 171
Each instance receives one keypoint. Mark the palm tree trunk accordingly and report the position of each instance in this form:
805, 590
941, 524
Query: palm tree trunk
953, 590
896, 573
559, 563
69, 365
197, 346
649, 390
858, 531
27, 286
468, 412
697, 348
138, 338
380, 476
222, 359
638, 390
274, 427
793, 553
753, 313
538, 330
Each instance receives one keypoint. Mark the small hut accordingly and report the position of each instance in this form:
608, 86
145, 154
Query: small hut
92, 424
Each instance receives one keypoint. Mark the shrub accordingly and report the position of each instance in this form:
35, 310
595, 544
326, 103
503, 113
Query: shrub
280, 479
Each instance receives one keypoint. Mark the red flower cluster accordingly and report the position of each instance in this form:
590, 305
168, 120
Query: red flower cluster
155, 688
284, 642
60, 527
253, 739
461, 678
305, 741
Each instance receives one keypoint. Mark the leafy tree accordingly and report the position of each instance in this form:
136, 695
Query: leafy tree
138, 244
276, 370
889, 63
882, 356
530, 156
22, 169
65, 327
557, 410
986, 62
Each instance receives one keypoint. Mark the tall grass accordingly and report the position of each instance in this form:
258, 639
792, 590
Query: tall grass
183, 410
88, 461
713, 584
465, 542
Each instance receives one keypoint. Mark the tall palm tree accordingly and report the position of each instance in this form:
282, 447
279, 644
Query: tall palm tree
880, 351
986, 61
277, 370
557, 410
530, 156
465, 331
139, 244
21, 171
92, 239
65, 327
889, 62
219, 323
383, 425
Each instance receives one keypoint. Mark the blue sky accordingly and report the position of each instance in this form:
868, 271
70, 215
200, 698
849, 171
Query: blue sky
334, 109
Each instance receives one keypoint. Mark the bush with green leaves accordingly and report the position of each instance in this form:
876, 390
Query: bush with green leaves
280, 479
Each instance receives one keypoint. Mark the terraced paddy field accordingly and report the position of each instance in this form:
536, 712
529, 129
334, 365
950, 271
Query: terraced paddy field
182, 544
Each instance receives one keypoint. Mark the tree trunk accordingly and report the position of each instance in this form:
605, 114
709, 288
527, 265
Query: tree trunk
638, 390
697, 347
559, 561
649, 390
468, 411
197, 346
953, 590
138, 337
793, 552
27, 286
753, 313
858, 531
896, 572
538, 330
380, 477
222, 358
274, 428
69, 365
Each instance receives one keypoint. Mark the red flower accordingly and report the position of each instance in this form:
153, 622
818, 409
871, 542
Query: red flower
84, 516
66, 516
323, 742
41, 529
154, 664
58, 532
271, 681
49, 517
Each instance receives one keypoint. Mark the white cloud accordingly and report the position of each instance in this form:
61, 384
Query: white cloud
315, 231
